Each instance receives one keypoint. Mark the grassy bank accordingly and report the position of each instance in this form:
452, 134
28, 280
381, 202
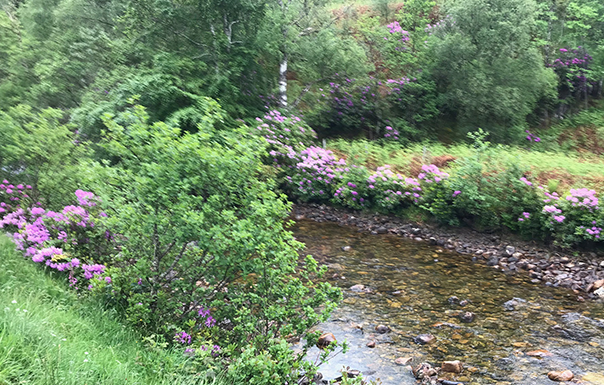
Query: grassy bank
48, 336
569, 168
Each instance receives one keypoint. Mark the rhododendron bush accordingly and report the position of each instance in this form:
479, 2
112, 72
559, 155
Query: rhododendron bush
478, 193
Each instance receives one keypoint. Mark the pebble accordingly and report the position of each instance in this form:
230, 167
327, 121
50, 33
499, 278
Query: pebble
325, 340
424, 339
371, 344
452, 367
382, 329
564, 375
403, 360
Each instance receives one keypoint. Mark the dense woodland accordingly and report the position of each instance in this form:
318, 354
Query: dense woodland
148, 149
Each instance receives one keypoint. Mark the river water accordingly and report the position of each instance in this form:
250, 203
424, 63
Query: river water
408, 285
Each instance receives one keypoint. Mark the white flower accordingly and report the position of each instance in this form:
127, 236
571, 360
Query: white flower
85, 352
14, 301
24, 310
86, 360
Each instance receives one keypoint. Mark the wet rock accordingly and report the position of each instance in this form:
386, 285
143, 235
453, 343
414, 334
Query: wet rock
493, 261
572, 332
432, 241
371, 344
510, 250
382, 329
346, 248
539, 353
299, 217
453, 300
439, 325
600, 292
564, 375
512, 304
358, 288
403, 361
381, 230
424, 371
463, 303
467, 317
325, 340
335, 266
452, 367
424, 339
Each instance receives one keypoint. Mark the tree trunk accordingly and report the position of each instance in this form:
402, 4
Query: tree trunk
283, 82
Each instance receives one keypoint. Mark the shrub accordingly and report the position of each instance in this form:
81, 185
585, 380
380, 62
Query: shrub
198, 230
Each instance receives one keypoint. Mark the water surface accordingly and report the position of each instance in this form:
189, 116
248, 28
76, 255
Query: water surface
409, 286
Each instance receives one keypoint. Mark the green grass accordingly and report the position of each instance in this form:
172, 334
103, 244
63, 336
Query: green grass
579, 166
49, 336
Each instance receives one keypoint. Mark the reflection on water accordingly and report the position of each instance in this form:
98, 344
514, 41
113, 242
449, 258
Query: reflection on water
407, 287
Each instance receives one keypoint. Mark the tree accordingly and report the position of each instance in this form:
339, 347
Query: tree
487, 68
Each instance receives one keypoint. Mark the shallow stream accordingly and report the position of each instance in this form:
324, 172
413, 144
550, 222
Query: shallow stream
407, 288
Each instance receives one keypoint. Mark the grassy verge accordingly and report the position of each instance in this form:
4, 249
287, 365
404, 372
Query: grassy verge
569, 168
49, 336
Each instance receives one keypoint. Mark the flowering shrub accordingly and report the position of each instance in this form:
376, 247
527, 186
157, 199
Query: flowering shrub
204, 255
314, 176
67, 241
572, 67
392, 191
286, 135
353, 190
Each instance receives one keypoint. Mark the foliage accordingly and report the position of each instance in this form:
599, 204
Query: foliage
198, 230
39, 150
489, 77
49, 335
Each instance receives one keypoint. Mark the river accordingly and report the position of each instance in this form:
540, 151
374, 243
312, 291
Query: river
408, 287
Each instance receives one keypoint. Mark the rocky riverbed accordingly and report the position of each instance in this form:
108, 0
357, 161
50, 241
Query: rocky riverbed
582, 273
411, 305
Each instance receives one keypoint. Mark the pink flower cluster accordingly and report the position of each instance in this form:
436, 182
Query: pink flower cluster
583, 198
431, 173
39, 233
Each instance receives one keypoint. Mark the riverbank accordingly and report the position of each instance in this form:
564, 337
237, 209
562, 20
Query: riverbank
49, 336
582, 273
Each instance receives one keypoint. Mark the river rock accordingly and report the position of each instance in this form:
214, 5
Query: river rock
453, 300
512, 304
510, 250
382, 329
464, 302
358, 288
371, 344
346, 248
539, 353
325, 340
600, 292
424, 339
381, 230
493, 261
452, 367
564, 375
403, 360
467, 317
424, 370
